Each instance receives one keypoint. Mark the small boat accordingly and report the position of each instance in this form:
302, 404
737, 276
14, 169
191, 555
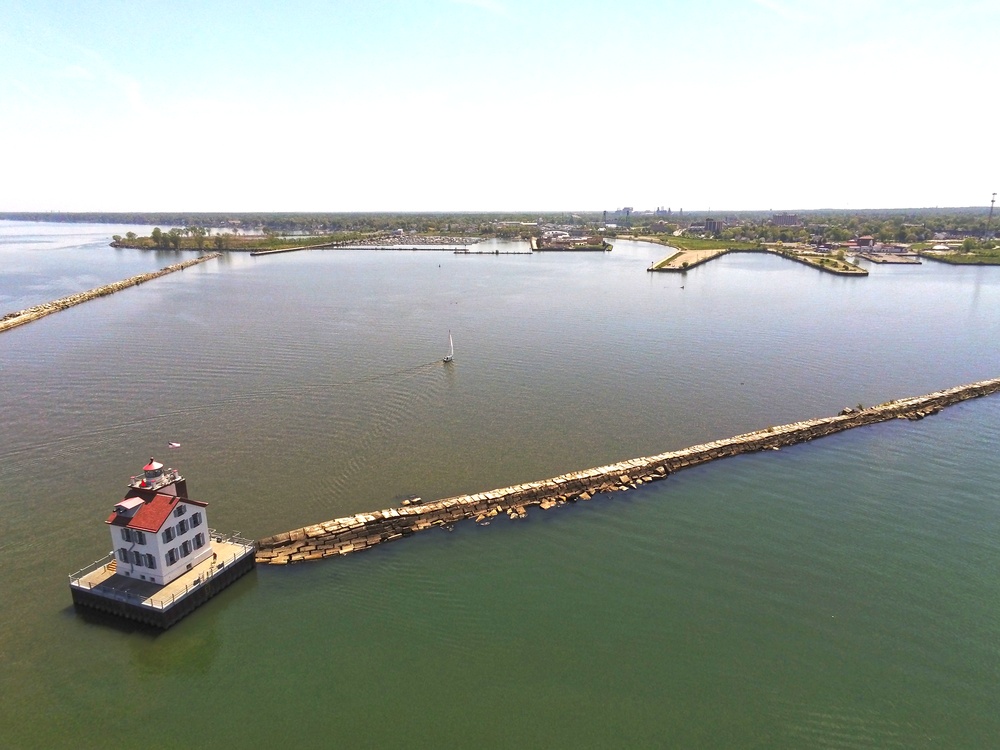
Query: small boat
450, 357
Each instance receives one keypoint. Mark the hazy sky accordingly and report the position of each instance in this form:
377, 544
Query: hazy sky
497, 104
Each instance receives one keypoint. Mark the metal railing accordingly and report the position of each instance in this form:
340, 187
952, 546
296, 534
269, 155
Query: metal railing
168, 476
102, 563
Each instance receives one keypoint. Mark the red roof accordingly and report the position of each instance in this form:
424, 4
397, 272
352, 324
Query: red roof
153, 513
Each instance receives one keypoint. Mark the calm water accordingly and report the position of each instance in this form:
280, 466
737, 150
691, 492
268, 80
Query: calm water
837, 594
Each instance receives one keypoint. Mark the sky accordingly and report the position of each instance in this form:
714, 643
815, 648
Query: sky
497, 105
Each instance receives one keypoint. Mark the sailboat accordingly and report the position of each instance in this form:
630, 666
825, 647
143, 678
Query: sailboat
451, 350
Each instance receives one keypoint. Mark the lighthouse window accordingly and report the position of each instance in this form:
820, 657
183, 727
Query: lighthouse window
199, 541
195, 520
171, 556
182, 527
123, 554
168, 534
150, 562
127, 534
139, 537
186, 549
136, 558
180, 510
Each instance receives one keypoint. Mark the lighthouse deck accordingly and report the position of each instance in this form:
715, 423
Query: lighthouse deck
99, 586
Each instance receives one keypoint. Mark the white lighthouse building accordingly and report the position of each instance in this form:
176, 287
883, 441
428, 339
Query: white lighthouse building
157, 533
165, 561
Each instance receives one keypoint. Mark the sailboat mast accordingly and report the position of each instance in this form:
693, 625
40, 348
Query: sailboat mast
451, 349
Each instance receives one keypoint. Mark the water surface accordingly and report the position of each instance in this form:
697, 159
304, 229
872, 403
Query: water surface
840, 593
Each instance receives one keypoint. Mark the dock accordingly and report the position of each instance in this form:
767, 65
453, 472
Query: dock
342, 536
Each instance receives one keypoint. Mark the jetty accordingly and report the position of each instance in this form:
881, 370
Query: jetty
466, 251
685, 260
321, 246
14, 319
343, 536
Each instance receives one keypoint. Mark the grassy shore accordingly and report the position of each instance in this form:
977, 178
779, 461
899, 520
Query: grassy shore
242, 242
695, 243
981, 258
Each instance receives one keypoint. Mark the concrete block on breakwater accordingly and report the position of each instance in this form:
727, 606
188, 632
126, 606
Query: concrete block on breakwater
343, 536
14, 319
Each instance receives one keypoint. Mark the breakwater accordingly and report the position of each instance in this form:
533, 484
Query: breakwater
14, 319
323, 246
343, 536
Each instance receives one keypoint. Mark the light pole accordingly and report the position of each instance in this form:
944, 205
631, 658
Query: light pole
989, 221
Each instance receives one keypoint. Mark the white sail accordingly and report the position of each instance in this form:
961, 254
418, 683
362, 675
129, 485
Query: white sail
451, 349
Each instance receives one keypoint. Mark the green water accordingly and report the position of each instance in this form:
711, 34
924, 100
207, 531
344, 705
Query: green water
841, 593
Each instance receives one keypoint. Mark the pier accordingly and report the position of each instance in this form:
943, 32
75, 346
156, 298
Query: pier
14, 319
361, 531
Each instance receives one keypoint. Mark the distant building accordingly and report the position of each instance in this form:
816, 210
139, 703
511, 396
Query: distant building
785, 220
714, 225
866, 241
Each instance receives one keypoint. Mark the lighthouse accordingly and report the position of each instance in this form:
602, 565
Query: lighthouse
157, 532
165, 561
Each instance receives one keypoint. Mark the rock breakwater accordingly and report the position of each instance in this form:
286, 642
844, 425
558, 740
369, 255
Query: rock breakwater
343, 536
14, 319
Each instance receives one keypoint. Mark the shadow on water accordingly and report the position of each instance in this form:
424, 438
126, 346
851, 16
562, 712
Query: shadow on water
189, 647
